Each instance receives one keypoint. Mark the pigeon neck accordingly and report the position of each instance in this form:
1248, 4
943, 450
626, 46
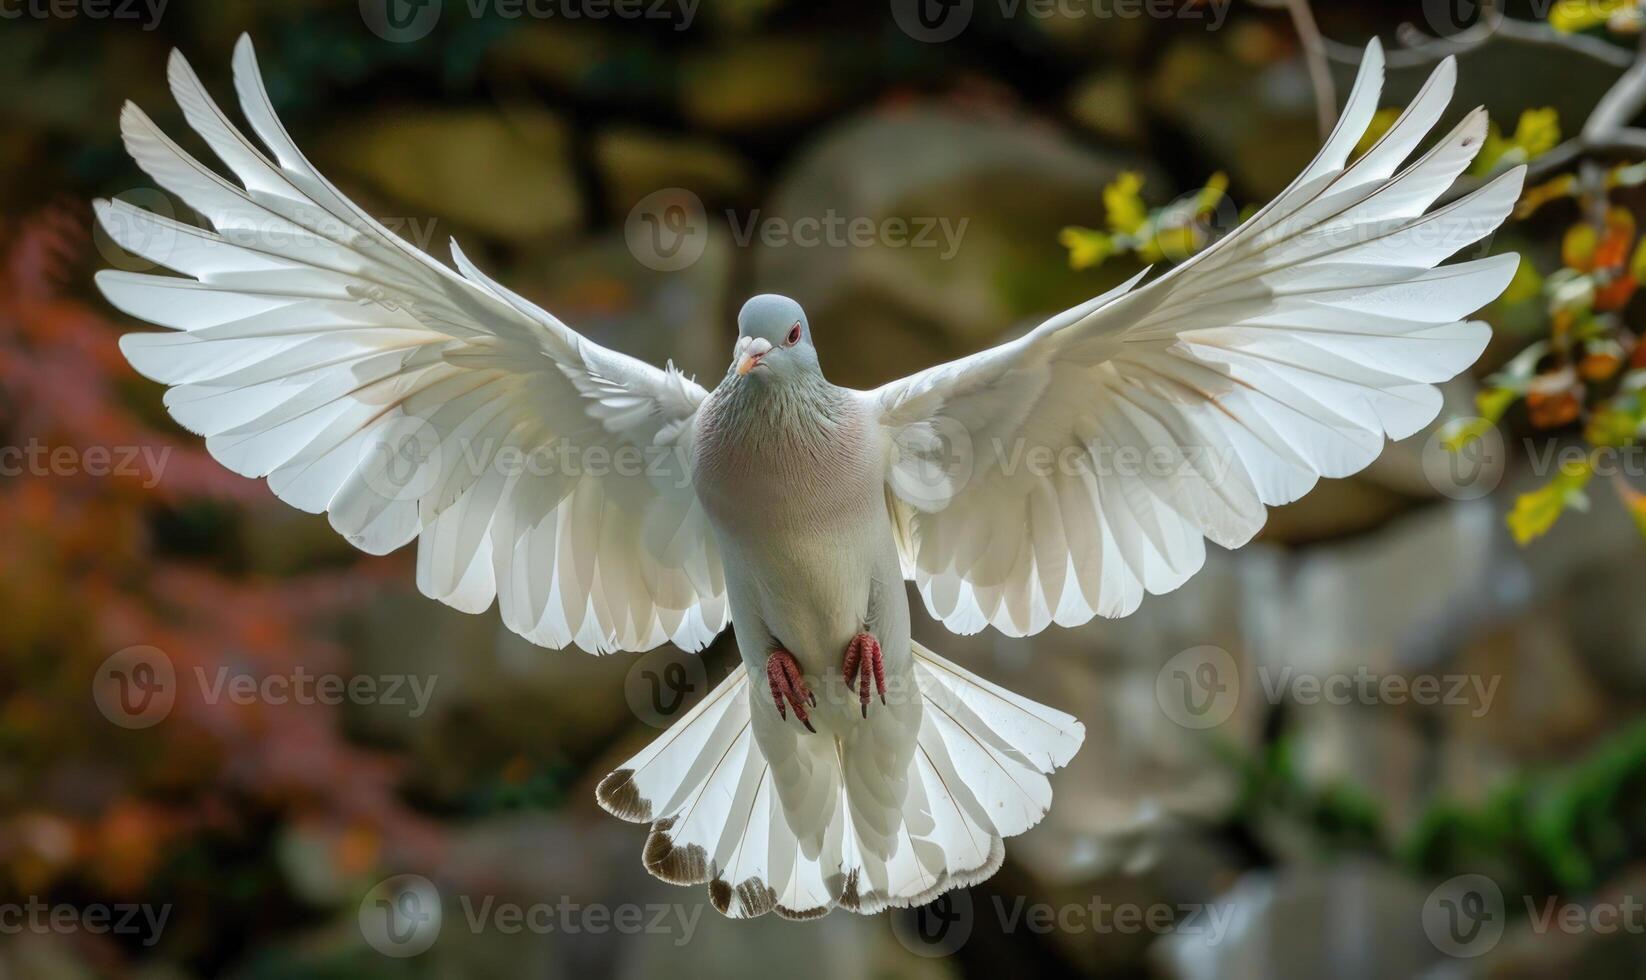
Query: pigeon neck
804, 409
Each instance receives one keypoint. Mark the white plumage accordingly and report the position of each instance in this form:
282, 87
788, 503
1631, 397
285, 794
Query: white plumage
1053, 478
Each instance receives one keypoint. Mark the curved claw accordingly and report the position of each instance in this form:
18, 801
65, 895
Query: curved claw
863, 660
783, 676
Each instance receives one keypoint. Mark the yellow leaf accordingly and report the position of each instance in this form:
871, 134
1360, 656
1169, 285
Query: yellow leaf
1526, 284
1637, 262
1207, 200
1568, 16
1382, 119
1176, 244
1458, 433
1577, 248
1550, 190
1535, 513
1124, 204
1087, 248
1611, 427
1491, 403
1491, 151
1538, 131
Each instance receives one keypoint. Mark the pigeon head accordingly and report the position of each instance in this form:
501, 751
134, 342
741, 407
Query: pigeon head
774, 341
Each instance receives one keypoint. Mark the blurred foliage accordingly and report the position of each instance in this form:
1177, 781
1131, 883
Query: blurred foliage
200, 804
1557, 831
261, 825
1173, 232
1586, 371
1618, 16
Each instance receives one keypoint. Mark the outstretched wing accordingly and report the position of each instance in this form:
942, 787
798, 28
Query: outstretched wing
1068, 472
364, 378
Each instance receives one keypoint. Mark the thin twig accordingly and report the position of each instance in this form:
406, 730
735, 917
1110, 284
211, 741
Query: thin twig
1622, 102
1607, 129
1420, 48
1314, 55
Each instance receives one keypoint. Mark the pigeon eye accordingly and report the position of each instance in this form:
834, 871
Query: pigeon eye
794, 335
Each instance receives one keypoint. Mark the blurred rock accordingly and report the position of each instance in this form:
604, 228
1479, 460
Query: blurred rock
1094, 30
945, 234
1353, 919
1610, 944
758, 81
588, 908
503, 172
685, 316
635, 162
1396, 602
569, 55
1149, 761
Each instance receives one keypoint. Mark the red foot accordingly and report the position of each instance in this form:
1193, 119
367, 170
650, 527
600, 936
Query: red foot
862, 660
783, 674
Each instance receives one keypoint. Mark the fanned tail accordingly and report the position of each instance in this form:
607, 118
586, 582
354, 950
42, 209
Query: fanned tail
979, 776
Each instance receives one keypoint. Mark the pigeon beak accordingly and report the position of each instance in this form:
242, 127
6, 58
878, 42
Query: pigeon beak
757, 349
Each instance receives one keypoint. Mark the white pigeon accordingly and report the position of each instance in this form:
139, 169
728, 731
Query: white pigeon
1055, 477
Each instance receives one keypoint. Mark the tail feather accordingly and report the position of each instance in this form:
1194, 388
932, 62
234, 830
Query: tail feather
979, 776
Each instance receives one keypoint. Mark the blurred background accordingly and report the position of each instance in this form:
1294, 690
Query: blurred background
1399, 734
